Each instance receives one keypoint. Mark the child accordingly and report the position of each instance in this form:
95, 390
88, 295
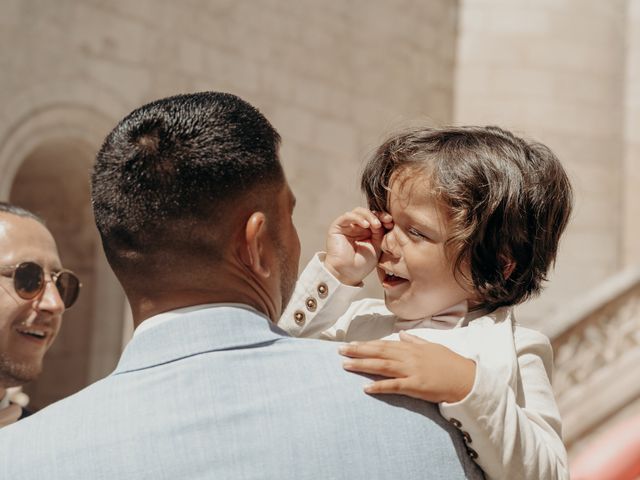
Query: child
467, 225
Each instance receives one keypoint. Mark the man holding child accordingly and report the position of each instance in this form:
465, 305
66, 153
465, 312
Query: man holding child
194, 212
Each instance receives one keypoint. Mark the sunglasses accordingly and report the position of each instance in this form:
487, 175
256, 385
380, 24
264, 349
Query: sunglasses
29, 282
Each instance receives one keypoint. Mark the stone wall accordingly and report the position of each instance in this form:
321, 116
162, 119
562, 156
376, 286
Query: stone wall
57, 171
555, 71
631, 202
332, 76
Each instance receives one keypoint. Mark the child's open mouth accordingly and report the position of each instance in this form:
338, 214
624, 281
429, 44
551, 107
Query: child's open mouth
391, 280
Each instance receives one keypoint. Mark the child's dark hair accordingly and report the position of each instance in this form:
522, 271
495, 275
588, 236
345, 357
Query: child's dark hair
508, 202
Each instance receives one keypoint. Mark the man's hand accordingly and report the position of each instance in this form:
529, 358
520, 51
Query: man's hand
417, 368
353, 244
9, 415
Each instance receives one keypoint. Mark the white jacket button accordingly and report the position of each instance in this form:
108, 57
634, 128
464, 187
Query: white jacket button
455, 422
323, 290
299, 317
311, 304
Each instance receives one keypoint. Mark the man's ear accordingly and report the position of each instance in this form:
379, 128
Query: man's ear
254, 251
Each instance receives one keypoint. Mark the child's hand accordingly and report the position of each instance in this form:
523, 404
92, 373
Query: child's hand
419, 369
353, 244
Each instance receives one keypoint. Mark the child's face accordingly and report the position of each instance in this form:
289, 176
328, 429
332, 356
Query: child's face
415, 273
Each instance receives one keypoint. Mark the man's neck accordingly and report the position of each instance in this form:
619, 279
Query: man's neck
231, 282
145, 308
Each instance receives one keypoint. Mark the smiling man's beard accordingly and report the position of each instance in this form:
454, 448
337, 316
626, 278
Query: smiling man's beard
13, 374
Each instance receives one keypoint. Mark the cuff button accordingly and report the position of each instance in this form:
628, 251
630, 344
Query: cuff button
472, 453
466, 437
323, 290
311, 304
298, 317
455, 422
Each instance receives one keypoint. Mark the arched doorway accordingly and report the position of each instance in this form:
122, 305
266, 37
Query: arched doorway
52, 181
45, 163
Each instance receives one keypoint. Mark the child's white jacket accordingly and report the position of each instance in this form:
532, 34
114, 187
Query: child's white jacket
509, 420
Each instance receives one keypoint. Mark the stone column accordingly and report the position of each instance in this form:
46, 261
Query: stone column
631, 208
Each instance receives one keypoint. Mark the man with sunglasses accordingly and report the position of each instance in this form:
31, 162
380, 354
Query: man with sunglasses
34, 292
195, 216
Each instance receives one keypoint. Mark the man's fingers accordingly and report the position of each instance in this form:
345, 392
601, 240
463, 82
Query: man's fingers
373, 366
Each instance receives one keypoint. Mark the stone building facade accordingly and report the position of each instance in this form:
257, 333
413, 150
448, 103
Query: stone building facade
334, 77
557, 71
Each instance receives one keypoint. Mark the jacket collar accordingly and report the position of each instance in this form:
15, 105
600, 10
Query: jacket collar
205, 330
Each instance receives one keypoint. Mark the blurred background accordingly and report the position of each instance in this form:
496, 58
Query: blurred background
335, 77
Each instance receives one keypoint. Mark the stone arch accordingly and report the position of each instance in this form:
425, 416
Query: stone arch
45, 160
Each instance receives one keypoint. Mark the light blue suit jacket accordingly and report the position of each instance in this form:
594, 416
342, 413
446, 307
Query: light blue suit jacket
224, 394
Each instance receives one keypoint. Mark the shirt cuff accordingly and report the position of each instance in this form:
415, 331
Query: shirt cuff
317, 302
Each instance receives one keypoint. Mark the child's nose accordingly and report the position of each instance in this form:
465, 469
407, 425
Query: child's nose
389, 243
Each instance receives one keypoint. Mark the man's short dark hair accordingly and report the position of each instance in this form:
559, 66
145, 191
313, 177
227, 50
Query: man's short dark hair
165, 174
19, 211
508, 202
